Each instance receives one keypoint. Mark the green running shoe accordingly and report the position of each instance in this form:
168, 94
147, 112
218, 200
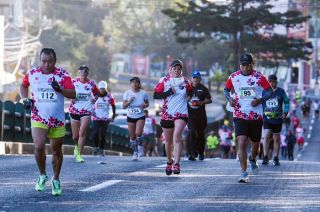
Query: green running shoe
41, 183
56, 189
79, 159
76, 151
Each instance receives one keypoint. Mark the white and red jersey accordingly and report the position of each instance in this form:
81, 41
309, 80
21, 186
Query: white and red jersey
83, 104
48, 107
149, 124
175, 105
101, 108
246, 89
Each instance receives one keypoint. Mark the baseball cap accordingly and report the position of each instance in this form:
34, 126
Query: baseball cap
272, 77
176, 62
102, 84
246, 59
196, 74
135, 78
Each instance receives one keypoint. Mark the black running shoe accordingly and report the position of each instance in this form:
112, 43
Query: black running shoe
176, 168
265, 160
169, 169
191, 158
276, 161
201, 156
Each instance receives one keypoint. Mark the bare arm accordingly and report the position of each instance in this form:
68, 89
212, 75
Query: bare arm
23, 92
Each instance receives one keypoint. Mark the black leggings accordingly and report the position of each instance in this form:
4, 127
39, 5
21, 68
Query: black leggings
98, 133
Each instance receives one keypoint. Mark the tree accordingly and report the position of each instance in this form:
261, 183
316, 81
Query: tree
247, 25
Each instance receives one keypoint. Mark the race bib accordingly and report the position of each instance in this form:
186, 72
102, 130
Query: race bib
134, 110
247, 93
83, 97
47, 95
272, 103
102, 106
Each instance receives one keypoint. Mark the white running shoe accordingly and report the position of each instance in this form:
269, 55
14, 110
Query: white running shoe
135, 156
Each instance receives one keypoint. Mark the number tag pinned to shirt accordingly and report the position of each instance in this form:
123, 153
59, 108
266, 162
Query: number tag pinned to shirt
47, 95
134, 110
247, 93
272, 103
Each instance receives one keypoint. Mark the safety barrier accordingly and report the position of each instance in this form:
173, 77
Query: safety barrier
15, 123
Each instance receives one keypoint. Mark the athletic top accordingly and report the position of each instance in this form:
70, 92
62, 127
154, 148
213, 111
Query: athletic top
149, 124
134, 109
246, 89
175, 105
101, 108
83, 104
48, 107
273, 107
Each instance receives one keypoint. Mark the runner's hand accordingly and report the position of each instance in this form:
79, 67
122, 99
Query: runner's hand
55, 85
255, 102
27, 103
231, 102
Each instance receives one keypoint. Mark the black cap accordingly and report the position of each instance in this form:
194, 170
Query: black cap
135, 78
272, 77
246, 59
176, 62
84, 67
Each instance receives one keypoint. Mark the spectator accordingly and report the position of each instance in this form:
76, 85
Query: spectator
149, 132
291, 141
225, 140
212, 144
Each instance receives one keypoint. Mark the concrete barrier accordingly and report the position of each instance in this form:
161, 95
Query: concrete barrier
28, 148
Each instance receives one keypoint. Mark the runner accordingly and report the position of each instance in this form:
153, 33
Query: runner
316, 109
248, 85
197, 123
149, 133
275, 110
49, 85
100, 118
173, 89
81, 109
136, 100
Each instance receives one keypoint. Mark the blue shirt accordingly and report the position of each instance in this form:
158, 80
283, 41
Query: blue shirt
275, 106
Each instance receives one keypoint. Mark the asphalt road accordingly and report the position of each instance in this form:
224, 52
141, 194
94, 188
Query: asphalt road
124, 185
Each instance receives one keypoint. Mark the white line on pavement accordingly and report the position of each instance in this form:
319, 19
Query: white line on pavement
309, 136
310, 128
102, 185
299, 155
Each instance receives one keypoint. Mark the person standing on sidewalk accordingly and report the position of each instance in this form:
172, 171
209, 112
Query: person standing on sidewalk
248, 85
173, 89
275, 110
100, 118
81, 109
136, 100
49, 85
197, 123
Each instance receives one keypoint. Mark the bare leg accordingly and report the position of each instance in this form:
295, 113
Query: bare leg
179, 126
57, 156
39, 136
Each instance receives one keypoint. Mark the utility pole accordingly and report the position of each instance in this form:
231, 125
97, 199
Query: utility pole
316, 49
1, 52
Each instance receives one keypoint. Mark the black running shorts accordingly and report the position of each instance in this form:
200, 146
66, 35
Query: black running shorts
275, 128
250, 128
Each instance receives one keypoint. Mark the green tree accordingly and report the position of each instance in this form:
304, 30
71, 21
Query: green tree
247, 25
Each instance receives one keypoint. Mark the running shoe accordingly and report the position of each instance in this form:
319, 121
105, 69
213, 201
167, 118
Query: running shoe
265, 160
79, 159
101, 152
140, 151
201, 156
75, 151
135, 156
176, 168
254, 167
276, 161
169, 168
244, 178
41, 183
191, 158
56, 188
95, 151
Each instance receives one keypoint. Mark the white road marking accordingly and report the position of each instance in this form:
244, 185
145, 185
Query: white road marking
102, 185
310, 128
312, 121
299, 155
305, 144
309, 136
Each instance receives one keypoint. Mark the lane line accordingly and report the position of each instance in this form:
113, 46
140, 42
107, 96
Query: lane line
101, 185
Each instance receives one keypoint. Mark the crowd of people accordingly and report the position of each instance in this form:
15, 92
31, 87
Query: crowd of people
256, 103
